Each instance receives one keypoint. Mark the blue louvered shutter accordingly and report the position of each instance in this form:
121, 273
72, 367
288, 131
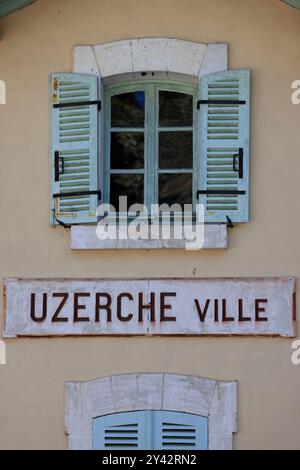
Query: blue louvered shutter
180, 431
224, 146
74, 148
121, 431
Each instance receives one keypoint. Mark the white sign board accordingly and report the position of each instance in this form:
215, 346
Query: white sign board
250, 306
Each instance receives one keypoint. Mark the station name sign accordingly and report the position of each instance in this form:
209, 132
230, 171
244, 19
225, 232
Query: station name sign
114, 307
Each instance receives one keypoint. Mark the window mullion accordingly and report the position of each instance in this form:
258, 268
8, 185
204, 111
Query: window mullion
196, 166
150, 144
106, 170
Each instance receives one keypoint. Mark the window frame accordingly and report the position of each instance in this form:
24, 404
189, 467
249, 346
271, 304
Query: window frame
151, 131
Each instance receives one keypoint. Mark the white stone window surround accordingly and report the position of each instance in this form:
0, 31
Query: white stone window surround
130, 59
216, 400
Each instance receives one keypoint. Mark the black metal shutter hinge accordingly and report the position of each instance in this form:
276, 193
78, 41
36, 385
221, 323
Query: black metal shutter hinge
235, 102
225, 192
79, 193
78, 103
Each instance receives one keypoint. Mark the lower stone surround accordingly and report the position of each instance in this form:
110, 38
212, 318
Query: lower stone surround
213, 399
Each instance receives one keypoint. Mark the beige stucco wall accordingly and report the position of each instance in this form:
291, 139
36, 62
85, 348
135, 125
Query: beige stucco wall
263, 35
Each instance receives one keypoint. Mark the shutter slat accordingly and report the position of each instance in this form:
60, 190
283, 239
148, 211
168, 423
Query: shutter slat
75, 137
180, 431
120, 431
223, 130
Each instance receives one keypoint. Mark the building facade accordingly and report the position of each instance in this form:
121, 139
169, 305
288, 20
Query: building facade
136, 343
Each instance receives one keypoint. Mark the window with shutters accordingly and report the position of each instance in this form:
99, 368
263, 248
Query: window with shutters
163, 142
155, 430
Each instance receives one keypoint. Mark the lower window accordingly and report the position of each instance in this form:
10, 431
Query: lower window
150, 430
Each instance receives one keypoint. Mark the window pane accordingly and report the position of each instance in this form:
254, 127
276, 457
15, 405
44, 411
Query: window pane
127, 150
175, 188
175, 109
128, 185
175, 150
128, 109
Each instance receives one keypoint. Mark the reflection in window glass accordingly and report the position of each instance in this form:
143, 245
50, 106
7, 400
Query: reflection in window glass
127, 150
130, 185
175, 109
175, 188
175, 150
128, 109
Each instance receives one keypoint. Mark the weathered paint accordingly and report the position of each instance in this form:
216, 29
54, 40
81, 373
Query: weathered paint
75, 147
122, 307
220, 140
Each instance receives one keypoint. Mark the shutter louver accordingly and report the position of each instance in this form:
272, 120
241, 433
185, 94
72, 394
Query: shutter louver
178, 435
121, 436
224, 146
120, 431
74, 149
179, 431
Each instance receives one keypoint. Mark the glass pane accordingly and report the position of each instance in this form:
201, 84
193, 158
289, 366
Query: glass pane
128, 185
175, 150
175, 109
175, 188
127, 150
128, 109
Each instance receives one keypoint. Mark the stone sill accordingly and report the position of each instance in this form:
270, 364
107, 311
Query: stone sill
83, 237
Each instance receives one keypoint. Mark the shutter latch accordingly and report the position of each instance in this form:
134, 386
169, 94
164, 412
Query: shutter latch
240, 167
57, 169
56, 165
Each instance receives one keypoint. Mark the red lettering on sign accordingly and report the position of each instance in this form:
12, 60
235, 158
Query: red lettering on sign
259, 309
64, 296
164, 306
78, 307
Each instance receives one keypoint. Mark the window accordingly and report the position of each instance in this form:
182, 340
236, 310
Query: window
163, 142
146, 430
149, 144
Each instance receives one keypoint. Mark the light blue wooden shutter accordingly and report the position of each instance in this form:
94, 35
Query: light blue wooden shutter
121, 431
224, 146
180, 431
150, 430
74, 148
